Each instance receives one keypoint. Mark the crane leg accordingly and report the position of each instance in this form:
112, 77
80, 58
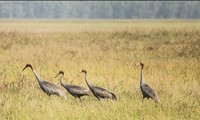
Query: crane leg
49, 95
76, 100
80, 99
143, 99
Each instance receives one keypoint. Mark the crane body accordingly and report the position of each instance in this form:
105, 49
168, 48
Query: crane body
74, 90
99, 92
47, 87
147, 91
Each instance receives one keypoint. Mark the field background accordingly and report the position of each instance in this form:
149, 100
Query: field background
169, 49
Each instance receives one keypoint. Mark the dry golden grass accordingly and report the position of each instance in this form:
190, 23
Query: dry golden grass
169, 49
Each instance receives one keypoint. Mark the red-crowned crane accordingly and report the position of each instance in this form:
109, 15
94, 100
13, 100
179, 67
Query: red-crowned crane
47, 87
147, 91
74, 90
99, 92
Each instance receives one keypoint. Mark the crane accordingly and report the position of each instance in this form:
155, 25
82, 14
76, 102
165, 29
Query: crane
147, 91
74, 90
99, 92
47, 87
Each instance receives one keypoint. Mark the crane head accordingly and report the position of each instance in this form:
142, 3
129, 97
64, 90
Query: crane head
28, 65
60, 72
139, 64
142, 65
84, 71
136, 64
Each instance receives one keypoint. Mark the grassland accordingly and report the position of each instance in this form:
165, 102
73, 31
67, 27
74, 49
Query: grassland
169, 49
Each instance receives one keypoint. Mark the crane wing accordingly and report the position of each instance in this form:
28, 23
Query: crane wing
148, 92
51, 85
51, 88
101, 92
78, 89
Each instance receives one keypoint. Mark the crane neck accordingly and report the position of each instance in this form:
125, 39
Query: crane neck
37, 76
89, 85
62, 83
141, 77
61, 80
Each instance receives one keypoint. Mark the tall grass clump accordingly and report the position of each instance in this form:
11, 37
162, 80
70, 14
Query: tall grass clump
169, 50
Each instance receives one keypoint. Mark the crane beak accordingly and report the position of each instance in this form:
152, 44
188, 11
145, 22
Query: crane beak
136, 64
57, 75
24, 68
76, 76
80, 73
71, 82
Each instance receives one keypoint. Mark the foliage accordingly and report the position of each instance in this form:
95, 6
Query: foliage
100, 9
106, 49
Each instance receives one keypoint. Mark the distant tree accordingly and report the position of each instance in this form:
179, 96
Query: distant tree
17, 9
117, 9
180, 8
6, 10
58, 10
196, 11
164, 11
99, 9
28, 10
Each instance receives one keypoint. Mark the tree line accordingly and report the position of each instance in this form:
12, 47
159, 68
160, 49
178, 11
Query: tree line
100, 9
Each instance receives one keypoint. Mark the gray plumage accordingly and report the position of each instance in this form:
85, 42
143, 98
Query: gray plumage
47, 87
99, 92
147, 91
74, 90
